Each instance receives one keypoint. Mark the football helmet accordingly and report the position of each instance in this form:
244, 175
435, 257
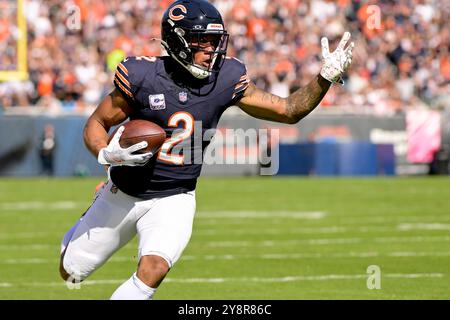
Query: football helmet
186, 26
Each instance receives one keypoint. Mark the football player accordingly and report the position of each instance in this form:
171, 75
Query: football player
153, 196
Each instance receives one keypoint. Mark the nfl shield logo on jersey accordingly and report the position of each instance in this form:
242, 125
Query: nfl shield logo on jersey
157, 101
183, 96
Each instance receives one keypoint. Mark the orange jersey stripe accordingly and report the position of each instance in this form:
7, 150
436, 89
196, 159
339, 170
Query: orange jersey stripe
241, 84
122, 67
125, 90
124, 81
240, 90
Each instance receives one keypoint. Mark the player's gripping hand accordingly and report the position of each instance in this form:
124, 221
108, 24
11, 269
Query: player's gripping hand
115, 155
336, 62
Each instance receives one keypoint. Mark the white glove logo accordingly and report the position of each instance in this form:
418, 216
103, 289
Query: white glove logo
115, 155
336, 62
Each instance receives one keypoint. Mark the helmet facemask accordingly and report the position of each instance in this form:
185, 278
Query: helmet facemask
183, 45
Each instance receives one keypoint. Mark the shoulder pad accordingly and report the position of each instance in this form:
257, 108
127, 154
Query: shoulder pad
131, 72
241, 79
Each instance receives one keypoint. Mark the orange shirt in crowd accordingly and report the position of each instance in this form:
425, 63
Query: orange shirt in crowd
301, 52
291, 4
4, 30
69, 78
124, 43
241, 10
45, 84
343, 3
98, 10
445, 67
163, 4
83, 9
256, 26
284, 66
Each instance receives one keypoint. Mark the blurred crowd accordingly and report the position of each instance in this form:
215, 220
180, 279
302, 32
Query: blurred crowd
401, 58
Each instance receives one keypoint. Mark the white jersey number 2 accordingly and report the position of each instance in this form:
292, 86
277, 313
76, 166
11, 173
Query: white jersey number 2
188, 121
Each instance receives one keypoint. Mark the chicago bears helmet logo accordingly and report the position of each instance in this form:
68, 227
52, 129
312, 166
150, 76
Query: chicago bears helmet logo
180, 16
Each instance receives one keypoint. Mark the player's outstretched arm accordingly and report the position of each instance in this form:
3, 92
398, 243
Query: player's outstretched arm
264, 105
298, 105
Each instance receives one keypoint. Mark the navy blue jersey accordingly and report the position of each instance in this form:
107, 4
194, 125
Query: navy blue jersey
160, 91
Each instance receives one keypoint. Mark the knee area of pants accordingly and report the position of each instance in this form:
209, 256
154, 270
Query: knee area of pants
76, 273
62, 271
70, 277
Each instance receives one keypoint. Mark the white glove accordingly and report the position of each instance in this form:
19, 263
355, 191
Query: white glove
115, 155
337, 62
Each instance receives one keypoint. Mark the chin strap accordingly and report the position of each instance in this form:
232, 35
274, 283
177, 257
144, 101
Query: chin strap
196, 71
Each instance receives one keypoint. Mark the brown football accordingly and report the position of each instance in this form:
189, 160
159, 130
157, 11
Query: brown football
142, 130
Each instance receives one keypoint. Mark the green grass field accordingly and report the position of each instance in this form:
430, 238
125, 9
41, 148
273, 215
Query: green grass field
254, 238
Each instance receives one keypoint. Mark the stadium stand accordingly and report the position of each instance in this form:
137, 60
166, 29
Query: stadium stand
74, 46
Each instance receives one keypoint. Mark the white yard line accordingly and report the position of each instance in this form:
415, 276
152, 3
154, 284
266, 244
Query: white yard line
348, 220
261, 214
303, 230
267, 231
25, 261
271, 243
41, 205
404, 227
413, 275
293, 278
268, 256
27, 247
22, 261
423, 226
216, 217
332, 255
64, 205
412, 239
259, 231
265, 243
23, 235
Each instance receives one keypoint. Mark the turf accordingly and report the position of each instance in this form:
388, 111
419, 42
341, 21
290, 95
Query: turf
254, 238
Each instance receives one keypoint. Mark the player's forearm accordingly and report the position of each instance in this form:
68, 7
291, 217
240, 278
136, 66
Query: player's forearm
95, 136
111, 111
303, 101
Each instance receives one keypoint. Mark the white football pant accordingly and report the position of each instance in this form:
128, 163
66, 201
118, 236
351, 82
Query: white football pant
163, 225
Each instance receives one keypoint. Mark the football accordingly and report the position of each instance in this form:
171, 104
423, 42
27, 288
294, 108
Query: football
142, 130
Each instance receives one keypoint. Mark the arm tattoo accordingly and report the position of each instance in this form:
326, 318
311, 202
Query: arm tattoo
306, 99
268, 97
272, 98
